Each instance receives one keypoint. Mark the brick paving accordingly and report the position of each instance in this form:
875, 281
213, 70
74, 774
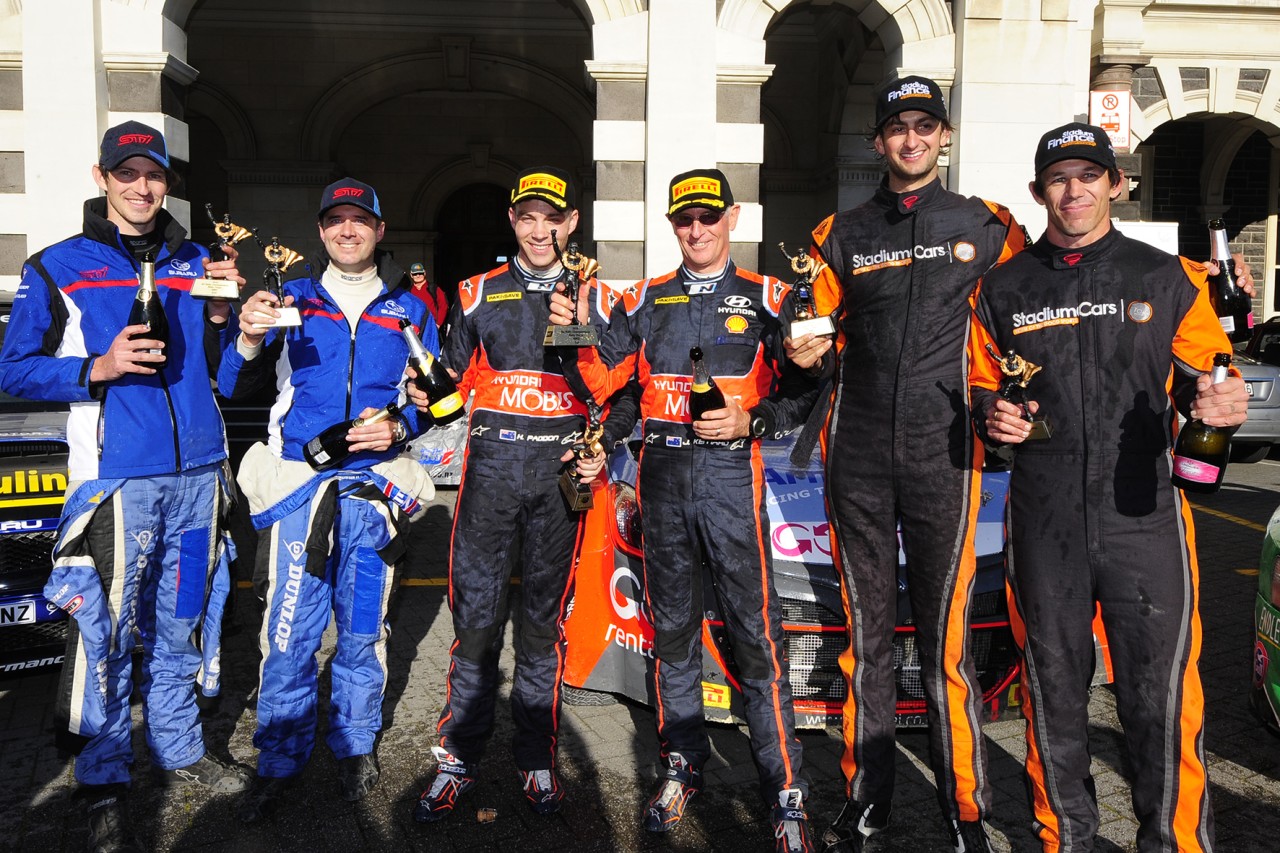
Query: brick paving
608, 752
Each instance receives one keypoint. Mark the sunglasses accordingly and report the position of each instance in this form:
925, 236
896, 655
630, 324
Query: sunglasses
686, 220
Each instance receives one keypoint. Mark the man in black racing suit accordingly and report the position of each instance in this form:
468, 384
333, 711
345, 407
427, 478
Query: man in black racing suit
701, 488
1123, 334
899, 450
525, 415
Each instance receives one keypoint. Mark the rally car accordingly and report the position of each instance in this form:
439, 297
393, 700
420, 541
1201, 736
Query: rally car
33, 478
1264, 695
610, 636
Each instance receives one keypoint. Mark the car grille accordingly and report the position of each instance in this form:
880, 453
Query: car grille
10, 449
20, 552
43, 635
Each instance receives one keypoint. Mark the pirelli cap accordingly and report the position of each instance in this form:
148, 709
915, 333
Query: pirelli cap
554, 186
349, 191
132, 139
699, 188
909, 93
1075, 141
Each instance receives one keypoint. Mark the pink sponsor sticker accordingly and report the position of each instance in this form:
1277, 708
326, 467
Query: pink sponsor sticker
1195, 470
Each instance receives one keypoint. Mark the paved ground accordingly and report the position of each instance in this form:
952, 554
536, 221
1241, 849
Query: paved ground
608, 751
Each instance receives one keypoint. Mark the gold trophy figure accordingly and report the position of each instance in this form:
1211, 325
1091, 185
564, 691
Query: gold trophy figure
1017, 373
805, 317
228, 235
578, 268
577, 494
279, 258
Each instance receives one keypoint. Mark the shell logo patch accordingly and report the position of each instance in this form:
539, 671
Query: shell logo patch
736, 324
1139, 312
965, 252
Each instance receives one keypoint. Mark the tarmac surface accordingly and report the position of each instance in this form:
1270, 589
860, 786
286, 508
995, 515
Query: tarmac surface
608, 752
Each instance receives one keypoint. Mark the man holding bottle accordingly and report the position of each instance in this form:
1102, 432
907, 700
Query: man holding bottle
701, 484
329, 538
529, 405
142, 542
1093, 518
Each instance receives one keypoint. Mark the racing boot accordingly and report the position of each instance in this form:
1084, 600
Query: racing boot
452, 781
109, 829
970, 836
856, 822
263, 797
210, 772
357, 774
542, 790
791, 824
678, 785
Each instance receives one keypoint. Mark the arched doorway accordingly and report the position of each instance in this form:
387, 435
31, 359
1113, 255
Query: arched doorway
474, 234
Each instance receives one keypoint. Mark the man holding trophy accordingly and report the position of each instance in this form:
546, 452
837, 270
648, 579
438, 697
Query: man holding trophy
1124, 334
330, 533
142, 541
529, 405
702, 488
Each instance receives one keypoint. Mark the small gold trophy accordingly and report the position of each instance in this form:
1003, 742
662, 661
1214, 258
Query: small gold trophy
577, 494
1017, 373
279, 258
805, 317
578, 268
228, 235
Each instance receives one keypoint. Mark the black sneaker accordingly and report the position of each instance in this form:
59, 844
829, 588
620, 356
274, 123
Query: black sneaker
681, 782
791, 824
109, 829
212, 773
263, 797
856, 822
451, 783
357, 775
970, 836
542, 791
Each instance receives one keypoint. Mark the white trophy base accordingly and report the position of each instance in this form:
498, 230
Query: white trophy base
818, 326
215, 288
289, 316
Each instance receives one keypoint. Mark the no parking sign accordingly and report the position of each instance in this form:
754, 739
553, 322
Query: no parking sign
1110, 111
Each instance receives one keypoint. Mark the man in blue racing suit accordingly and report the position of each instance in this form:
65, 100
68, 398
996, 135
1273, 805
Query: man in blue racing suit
330, 538
142, 543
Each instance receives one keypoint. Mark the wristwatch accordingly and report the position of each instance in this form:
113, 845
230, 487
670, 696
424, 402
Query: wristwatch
758, 426
398, 432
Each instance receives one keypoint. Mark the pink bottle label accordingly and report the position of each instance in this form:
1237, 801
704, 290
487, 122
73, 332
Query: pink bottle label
1195, 471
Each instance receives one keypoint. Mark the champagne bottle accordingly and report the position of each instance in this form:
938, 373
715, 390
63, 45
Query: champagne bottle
1230, 303
330, 449
445, 403
147, 309
1200, 456
705, 395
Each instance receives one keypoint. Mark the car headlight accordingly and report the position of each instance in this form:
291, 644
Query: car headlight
626, 519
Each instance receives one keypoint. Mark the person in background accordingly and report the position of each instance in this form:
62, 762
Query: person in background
432, 294
142, 540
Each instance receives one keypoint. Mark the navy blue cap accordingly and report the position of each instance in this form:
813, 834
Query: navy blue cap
349, 191
132, 139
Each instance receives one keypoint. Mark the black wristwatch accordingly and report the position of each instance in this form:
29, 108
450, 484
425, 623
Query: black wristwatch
758, 426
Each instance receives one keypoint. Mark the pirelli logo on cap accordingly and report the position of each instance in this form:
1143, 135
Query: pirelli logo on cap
912, 89
541, 181
1073, 137
707, 190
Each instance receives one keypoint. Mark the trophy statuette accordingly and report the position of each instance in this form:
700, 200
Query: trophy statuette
806, 320
578, 268
577, 494
1017, 373
279, 258
228, 234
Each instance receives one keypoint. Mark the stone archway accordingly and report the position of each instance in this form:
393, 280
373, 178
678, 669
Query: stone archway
442, 70
897, 24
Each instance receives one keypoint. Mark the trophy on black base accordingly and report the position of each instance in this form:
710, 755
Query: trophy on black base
1017, 373
279, 258
578, 268
228, 235
577, 494
805, 318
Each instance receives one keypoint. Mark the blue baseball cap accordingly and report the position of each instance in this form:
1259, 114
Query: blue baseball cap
132, 139
349, 191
